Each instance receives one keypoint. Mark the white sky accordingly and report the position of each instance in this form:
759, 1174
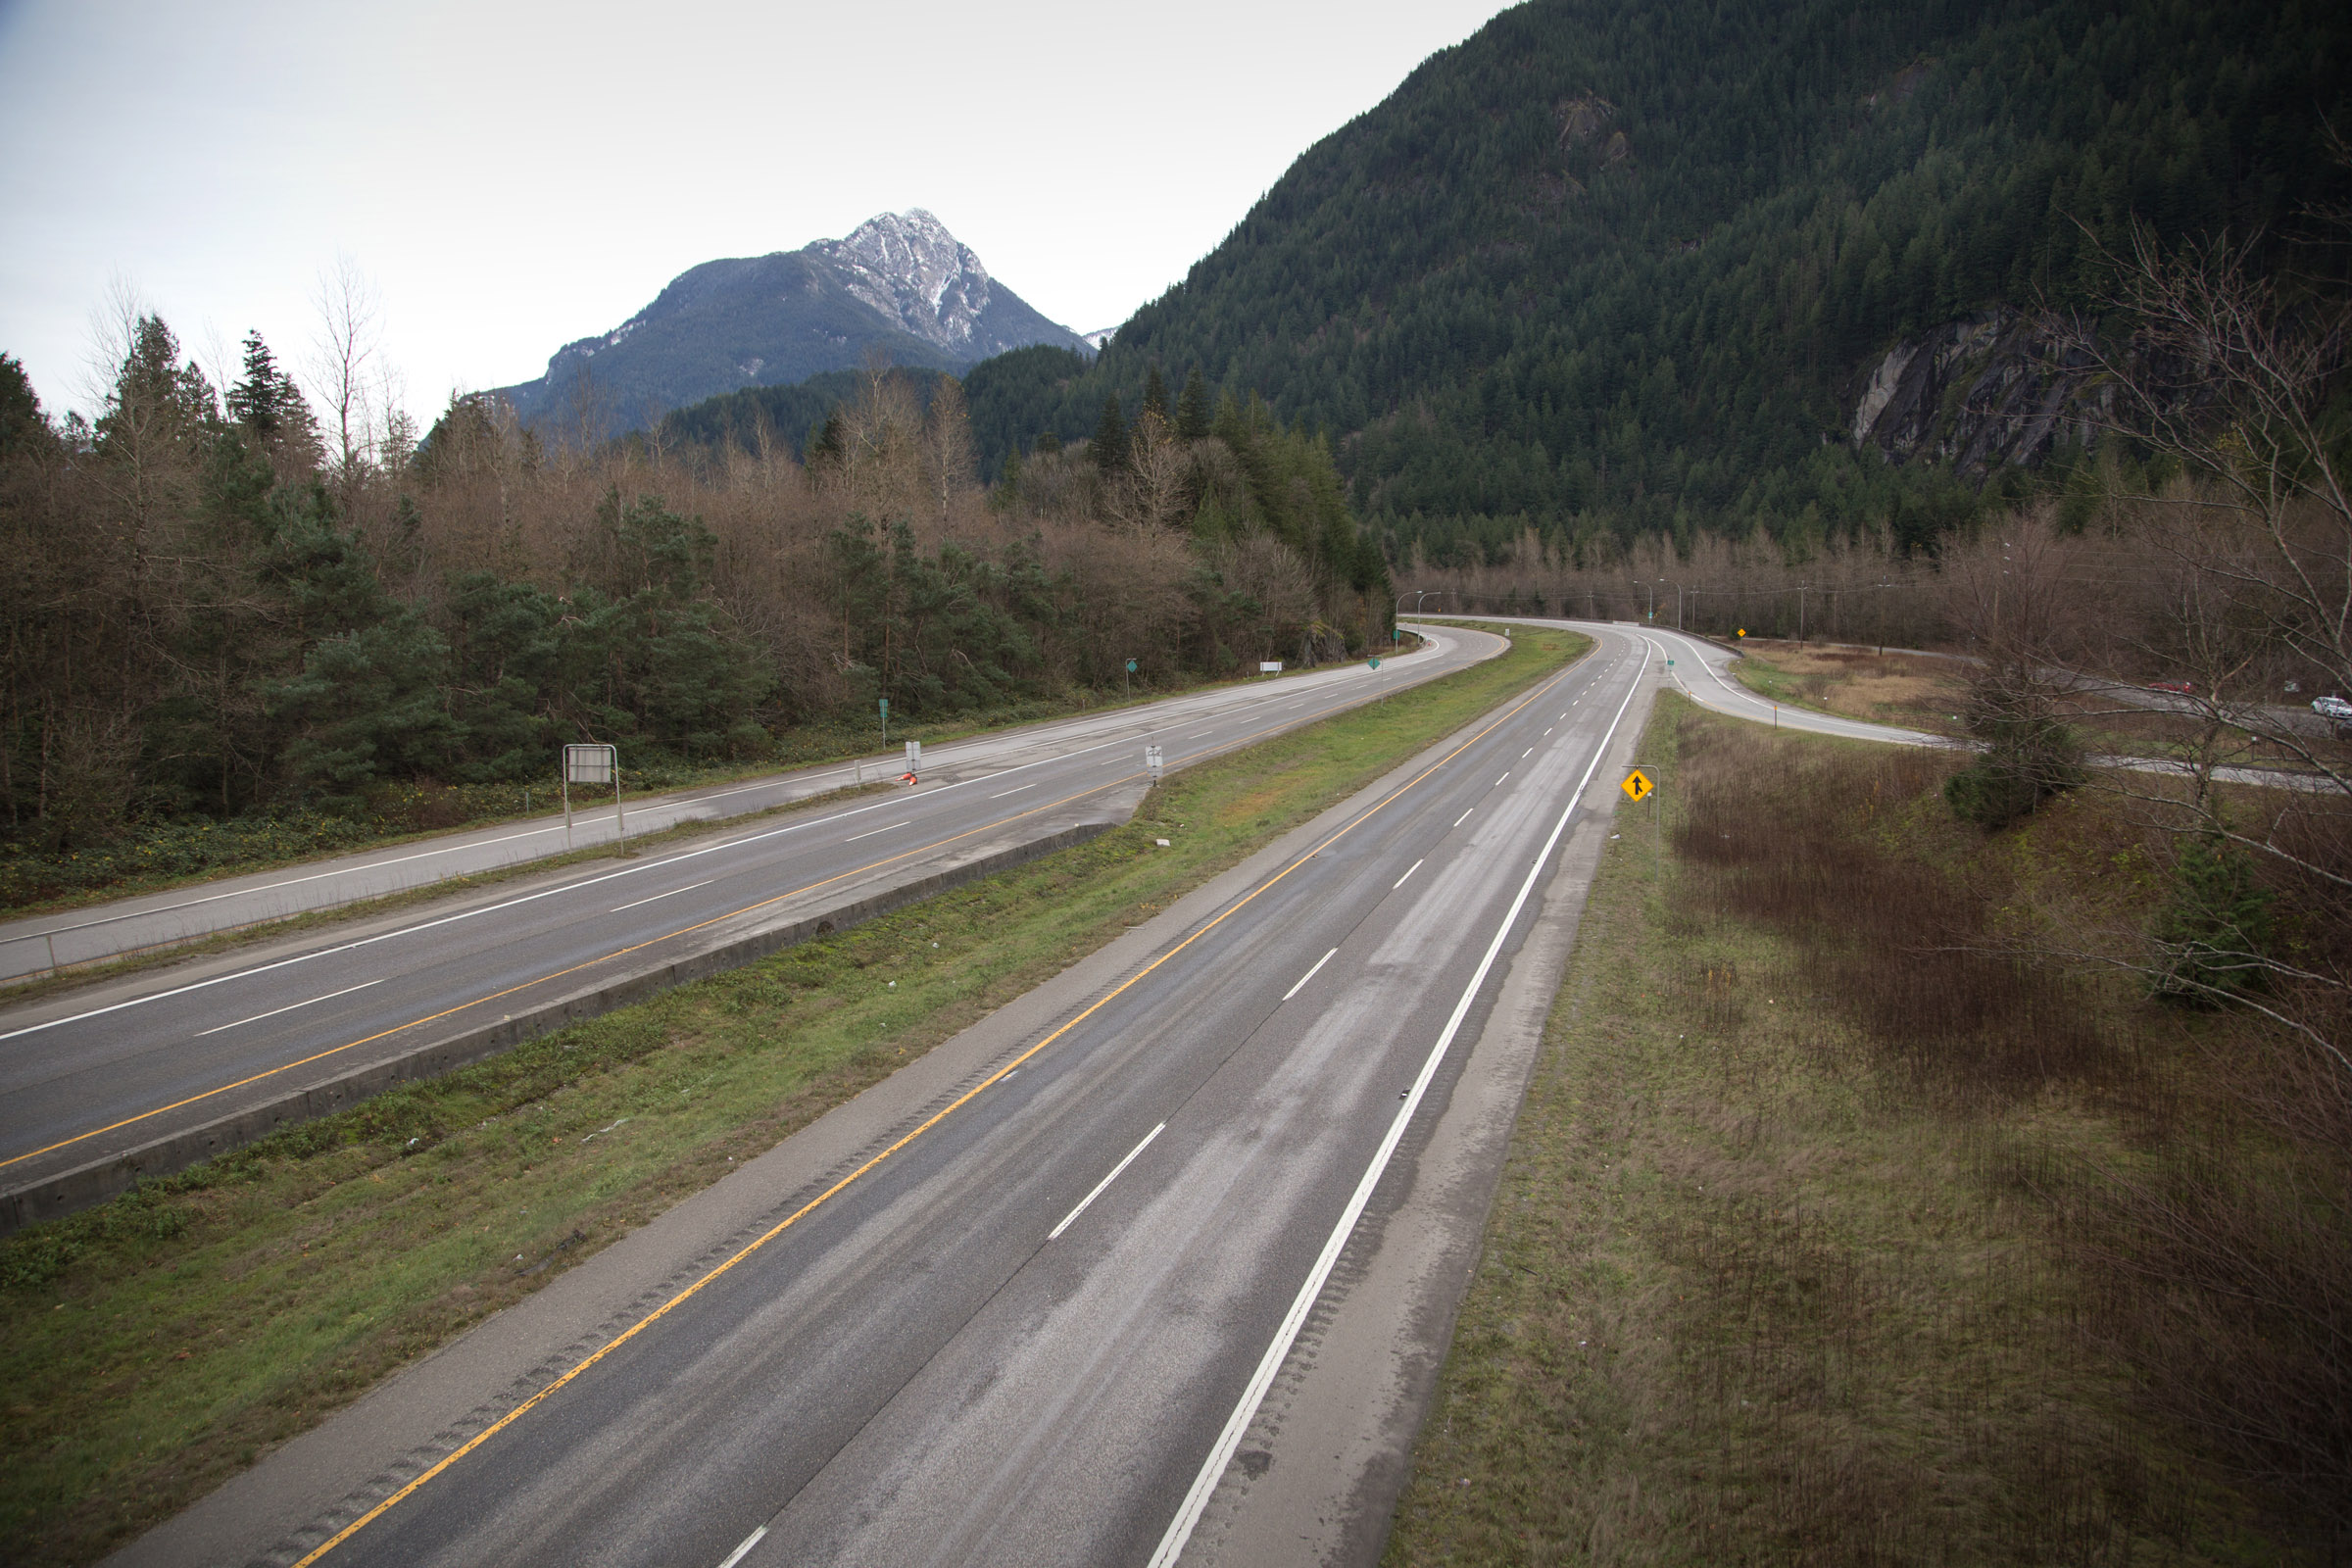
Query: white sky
512, 174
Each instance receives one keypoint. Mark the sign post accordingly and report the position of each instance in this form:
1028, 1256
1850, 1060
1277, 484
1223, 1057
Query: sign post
1638, 788
914, 762
885, 721
1151, 762
1127, 683
593, 764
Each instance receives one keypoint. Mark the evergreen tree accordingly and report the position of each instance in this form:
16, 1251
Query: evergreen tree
2213, 937
1155, 394
1191, 407
259, 402
272, 409
830, 443
1111, 437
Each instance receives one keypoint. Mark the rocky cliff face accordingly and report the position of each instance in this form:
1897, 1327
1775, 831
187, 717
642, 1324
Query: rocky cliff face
1979, 393
899, 283
911, 271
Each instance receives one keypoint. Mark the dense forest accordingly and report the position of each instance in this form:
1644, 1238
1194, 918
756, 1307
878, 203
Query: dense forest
217, 609
1623, 270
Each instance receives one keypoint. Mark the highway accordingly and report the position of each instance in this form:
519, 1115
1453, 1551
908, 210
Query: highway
32, 945
95, 1074
1701, 671
1027, 1314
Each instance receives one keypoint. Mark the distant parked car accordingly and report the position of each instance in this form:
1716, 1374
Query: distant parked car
2183, 688
2336, 711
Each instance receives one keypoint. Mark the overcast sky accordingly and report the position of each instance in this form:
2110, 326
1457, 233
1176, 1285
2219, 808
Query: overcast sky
511, 176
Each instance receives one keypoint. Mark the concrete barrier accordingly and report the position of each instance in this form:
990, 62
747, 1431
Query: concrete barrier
56, 1196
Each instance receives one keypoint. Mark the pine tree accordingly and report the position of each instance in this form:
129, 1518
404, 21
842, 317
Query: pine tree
1191, 407
271, 407
2214, 937
1155, 394
1111, 437
827, 447
258, 400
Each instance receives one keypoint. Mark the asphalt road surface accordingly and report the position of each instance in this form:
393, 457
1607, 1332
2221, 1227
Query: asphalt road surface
1701, 671
1029, 1320
90, 1075
34, 945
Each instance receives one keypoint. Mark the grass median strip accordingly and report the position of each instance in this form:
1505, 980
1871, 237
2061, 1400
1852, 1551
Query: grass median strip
157, 1344
1834, 1231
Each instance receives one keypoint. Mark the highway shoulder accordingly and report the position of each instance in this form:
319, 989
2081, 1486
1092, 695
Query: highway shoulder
331, 1474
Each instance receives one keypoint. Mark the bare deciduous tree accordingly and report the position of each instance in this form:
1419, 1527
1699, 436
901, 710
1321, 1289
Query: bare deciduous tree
345, 361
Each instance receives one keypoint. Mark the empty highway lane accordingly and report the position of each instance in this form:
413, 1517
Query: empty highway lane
1028, 1320
90, 1076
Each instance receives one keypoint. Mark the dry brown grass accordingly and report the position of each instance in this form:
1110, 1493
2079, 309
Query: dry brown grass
1834, 1232
1911, 690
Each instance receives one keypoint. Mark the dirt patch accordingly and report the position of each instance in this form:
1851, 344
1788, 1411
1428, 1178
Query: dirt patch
1913, 690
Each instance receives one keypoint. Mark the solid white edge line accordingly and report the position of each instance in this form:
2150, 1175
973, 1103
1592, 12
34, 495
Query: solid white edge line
291, 1006
528, 898
1066, 1220
1180, 1528
855, 837
671, 894
745, 1550
1309, 975
1408, 875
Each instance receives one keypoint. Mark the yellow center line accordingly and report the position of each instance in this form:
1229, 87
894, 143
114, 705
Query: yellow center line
558, 974
620, 953
590, 963
938, 1117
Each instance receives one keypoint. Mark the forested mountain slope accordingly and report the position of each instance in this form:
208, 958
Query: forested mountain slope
1632, 269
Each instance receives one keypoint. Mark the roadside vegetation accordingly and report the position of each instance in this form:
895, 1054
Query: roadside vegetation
1866, 1208
153, 1346
147, 856
1907, 689
226, 621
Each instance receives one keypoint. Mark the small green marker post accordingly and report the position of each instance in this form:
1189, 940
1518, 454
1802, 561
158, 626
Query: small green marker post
886, 721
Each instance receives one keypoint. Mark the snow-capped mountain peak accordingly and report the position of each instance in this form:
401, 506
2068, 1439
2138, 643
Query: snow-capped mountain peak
909, 267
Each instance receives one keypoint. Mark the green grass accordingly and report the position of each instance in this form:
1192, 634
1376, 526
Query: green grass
157, 857
1763, 1282
153, 1346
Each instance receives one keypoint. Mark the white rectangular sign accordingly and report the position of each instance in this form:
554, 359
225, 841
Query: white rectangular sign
1269, 666
589, 765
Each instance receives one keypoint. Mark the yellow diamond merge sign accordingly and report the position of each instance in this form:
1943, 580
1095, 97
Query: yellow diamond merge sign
1637, 784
